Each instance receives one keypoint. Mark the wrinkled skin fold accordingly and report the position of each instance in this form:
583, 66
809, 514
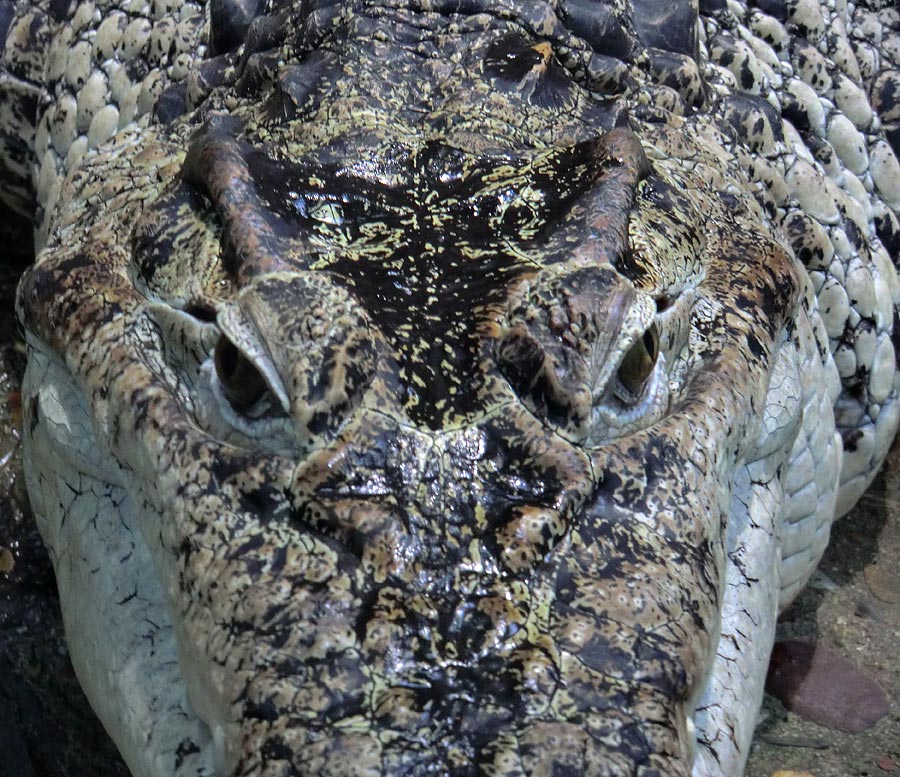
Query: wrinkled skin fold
419, 405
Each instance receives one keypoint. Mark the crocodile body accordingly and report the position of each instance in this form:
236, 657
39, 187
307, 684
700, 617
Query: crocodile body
444, 387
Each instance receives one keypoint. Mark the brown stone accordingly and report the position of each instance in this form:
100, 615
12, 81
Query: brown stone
821, 685
883, 584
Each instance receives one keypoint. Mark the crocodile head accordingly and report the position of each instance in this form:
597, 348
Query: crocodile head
420, 437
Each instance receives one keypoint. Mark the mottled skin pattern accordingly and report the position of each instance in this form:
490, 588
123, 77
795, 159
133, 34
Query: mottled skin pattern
437, 388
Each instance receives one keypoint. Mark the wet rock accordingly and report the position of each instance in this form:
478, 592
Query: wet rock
821, 685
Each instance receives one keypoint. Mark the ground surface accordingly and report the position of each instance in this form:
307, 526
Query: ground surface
857, 619
47, 729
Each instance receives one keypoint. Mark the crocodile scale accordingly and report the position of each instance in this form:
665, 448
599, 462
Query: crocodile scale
447, 387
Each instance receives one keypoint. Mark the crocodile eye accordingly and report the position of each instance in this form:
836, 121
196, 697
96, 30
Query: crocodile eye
637, 365
242, 382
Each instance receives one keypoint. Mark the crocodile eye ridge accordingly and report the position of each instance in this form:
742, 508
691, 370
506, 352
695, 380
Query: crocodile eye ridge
242, 383
637, 366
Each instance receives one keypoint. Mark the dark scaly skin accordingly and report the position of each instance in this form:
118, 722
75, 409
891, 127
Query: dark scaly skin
443, 543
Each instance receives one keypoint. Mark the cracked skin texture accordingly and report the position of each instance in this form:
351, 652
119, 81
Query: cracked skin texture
428, 367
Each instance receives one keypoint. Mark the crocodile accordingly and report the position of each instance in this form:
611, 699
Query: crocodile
447, 387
